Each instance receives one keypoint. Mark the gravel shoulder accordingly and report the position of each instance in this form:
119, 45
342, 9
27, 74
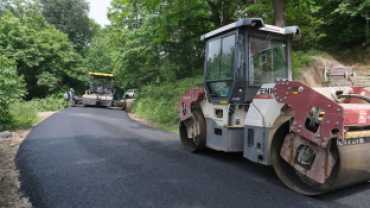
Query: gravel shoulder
9, 175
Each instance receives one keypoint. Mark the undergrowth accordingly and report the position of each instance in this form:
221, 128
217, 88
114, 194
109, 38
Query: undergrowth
52, 103
24, 113
300, 61
157, 102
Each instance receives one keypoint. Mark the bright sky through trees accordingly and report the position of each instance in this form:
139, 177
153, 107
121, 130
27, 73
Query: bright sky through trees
99, 10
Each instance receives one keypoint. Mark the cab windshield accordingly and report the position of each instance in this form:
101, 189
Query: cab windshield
267, 59
101, 85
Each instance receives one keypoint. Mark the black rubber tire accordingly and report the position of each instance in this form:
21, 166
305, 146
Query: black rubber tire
188, 143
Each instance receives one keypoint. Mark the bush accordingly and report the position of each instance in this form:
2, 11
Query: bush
12, 89
300, 60
23, 113
52, 103
157, 102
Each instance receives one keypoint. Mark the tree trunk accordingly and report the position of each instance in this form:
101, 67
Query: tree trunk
226, 13
279, 13
215, 12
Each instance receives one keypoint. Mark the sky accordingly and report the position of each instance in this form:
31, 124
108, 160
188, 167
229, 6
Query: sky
99, 10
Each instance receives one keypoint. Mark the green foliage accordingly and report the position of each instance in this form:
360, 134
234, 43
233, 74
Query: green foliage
43, 54
159, 40
345, 23
353, 8
52, 103
99, 54
23, 113
71, 17
306, 14
158, 101
11, 88
300, 60
48, 80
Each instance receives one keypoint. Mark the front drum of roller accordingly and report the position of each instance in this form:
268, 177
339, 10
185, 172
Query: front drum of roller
352, 167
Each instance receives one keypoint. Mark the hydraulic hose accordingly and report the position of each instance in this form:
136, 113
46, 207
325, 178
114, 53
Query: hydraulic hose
367, 99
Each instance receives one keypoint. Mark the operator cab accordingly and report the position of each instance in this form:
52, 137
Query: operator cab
242, 56
101, 83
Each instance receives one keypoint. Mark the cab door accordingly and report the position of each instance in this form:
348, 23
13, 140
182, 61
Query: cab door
220, 67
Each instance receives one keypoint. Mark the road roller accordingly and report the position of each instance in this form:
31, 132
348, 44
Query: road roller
317, 139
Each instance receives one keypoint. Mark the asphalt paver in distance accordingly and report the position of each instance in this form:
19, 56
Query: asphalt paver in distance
95, 157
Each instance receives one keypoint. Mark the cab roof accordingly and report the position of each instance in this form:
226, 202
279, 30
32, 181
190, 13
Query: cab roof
257, 23
100, 74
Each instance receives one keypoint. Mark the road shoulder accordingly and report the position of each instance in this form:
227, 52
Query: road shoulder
9, 175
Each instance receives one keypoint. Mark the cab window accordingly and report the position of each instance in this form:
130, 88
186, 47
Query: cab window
220, 65
267, 60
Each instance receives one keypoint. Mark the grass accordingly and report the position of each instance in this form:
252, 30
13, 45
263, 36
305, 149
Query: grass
157, 102
52, 103
301, 59
173, 128
24, 113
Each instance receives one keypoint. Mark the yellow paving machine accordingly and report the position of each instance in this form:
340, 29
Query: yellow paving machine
101, 90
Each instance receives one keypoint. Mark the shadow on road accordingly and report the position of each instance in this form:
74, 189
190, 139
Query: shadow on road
345, 192
269, 174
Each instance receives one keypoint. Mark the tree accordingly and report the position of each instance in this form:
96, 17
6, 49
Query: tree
99, 54
42, 53
71, 17
355, 8
164, 35
279, 13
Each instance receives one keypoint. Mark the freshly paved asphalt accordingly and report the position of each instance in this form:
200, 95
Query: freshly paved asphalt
93, 157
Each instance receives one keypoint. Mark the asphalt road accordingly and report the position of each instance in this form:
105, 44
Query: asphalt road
94, 157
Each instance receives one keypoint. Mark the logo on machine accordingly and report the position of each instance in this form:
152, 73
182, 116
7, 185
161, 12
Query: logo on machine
266, 91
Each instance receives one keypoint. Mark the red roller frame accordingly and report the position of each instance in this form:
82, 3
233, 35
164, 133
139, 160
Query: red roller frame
195, 94
304, 99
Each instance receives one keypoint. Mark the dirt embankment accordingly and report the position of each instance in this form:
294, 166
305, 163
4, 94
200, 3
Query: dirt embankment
9, 176
313, 76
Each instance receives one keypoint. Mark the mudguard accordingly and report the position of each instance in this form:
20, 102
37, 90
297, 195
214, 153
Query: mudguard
195, 94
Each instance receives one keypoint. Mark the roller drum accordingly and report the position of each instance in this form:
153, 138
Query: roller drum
352, 167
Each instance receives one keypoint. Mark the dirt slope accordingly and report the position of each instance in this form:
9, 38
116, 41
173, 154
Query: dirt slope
313, 75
